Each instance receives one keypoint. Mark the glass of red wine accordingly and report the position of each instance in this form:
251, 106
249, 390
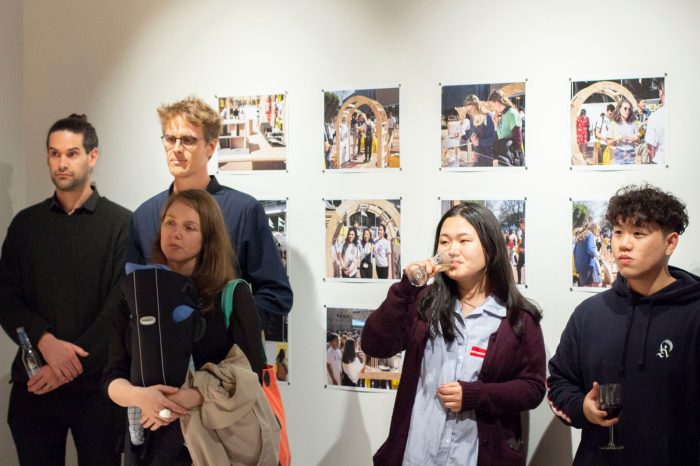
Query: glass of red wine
610, 400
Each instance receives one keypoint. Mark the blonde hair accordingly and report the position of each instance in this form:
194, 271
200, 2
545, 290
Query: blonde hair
215, 263
196, 112
474, 101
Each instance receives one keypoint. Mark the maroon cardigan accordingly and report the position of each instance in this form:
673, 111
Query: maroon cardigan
512, 378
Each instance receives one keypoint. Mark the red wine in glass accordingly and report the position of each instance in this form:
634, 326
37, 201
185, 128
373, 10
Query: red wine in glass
613, 411
610, 400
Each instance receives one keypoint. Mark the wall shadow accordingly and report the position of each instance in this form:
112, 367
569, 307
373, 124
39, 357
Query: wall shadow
346, 449
554, 446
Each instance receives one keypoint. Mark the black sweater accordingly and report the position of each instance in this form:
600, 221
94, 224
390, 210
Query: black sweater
650, 344
60, 273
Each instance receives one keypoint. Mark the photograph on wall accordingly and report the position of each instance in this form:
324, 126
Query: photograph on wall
277, 354
363, 240
361, 129
511, 215
618, 123
253, 133
593, 267
276, 336
346, 366
483, 125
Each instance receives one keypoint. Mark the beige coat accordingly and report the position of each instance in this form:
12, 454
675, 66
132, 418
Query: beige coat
235, 425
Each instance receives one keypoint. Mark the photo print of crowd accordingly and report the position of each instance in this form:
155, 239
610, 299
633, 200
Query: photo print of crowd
593, 267
363, 239
345, 364
511, 216
276, 336
253, 133
618, 123
361, 129
483, 125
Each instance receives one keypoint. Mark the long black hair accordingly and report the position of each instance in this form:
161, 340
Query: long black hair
437, 306
356, 242
349, 353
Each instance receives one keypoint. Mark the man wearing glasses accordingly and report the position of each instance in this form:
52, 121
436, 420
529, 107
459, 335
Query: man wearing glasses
61, 264
190, 135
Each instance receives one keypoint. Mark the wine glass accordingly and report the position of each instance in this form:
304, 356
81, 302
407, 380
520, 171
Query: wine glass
610, 400
418, 275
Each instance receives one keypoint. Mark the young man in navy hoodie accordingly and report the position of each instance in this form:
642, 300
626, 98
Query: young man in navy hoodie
643, 333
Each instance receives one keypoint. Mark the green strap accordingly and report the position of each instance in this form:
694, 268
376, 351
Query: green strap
227, 307
227, 299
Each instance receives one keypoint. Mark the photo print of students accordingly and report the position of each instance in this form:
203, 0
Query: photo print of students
593, 267
363, 239
361, 129
253, 133
483, 125
618, 123
276, 336
511, 216
345, 364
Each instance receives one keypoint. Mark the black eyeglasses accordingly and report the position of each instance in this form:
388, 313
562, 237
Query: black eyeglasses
187, 141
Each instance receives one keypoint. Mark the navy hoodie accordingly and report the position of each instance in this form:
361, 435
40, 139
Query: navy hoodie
650, 344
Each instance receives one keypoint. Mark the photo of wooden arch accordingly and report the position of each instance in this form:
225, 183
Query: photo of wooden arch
345, 112
337, 220
613, 90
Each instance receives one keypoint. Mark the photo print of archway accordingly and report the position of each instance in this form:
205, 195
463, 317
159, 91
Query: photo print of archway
346, 366
592, 265
511, 216
253, 133
361, 129
482, 125
276, 334
618, 124
363, 239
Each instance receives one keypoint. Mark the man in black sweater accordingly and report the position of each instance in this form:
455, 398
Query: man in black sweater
643, 334
59, 271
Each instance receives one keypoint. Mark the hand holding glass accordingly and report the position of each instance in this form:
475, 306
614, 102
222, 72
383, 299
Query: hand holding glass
418, 274
610, 400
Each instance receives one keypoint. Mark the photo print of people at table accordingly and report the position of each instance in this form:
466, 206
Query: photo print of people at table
276, 329
593, 266
253, 133
361, 129
483, 125
511, 216
346, 365
618, 123
363, 239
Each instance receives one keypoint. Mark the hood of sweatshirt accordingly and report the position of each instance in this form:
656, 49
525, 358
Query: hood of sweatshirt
685, 289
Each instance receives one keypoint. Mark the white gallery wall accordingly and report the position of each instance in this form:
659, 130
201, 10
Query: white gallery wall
117, 61
12, 176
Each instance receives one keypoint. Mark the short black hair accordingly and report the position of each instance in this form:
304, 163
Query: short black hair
610, 108
333, 336
77, 124
646, 204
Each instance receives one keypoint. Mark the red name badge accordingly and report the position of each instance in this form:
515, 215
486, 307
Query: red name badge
478, 352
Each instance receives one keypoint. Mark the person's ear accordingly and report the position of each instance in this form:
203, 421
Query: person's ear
671, 241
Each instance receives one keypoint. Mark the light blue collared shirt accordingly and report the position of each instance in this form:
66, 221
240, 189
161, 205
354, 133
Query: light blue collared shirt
438, 436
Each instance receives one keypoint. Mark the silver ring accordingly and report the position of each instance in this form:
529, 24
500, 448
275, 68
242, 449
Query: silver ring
165, 413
